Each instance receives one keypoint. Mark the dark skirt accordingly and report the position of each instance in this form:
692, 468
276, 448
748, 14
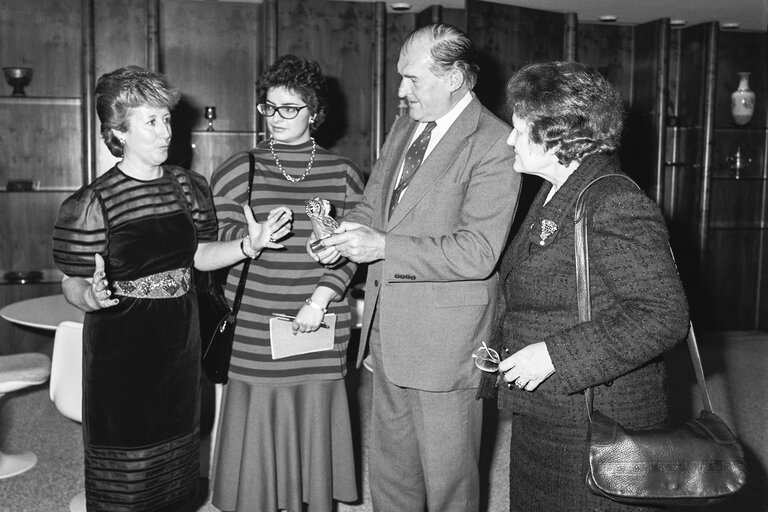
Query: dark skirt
285, 445
546, 473
141, 376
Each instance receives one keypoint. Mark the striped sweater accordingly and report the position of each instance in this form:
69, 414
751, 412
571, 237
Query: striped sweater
280, 280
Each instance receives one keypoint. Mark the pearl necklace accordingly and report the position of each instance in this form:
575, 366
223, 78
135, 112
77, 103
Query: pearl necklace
280, 166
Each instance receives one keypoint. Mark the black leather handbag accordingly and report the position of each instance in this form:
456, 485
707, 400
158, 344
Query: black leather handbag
217, 319
695, 464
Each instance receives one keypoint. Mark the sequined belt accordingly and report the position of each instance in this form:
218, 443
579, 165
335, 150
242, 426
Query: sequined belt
163, 285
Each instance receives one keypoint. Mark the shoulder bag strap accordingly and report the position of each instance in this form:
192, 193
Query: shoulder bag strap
581, 248
247, 264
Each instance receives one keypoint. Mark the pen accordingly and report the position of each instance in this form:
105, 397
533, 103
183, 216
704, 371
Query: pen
289, 318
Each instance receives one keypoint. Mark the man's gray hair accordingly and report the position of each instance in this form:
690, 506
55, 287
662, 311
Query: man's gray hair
450, 49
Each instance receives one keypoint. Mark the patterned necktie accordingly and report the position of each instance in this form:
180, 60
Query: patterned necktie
413, 159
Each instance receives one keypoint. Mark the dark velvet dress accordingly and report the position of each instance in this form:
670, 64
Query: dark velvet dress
141, 358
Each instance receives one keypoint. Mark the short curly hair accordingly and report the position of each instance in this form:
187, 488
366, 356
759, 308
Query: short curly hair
568, 106
301, 76
123, 89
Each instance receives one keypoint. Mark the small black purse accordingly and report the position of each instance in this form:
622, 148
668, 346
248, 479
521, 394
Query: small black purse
217, 319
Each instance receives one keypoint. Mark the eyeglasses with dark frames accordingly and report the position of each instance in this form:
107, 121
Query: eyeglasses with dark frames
285, 111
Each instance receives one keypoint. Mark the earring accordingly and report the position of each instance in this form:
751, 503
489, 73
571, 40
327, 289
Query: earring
121, 141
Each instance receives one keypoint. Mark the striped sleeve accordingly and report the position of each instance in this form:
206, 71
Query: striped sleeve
338, 278
80, 232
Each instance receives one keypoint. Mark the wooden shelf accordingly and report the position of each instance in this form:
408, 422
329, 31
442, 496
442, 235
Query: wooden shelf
740, 129
40, 190
738, 226
32, 100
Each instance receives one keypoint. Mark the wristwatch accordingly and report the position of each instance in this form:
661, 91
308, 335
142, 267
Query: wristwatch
315, 305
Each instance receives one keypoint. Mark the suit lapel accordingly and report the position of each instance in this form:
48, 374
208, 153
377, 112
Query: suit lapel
438, 162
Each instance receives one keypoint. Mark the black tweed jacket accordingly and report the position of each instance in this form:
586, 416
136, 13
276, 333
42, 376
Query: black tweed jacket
639, 308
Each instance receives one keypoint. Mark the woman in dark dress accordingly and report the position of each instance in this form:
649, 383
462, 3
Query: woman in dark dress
567, 122
126, 243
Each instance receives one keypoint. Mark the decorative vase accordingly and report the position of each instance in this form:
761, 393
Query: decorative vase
743, 101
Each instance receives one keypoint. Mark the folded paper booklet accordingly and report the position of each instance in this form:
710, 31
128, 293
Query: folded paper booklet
285, 344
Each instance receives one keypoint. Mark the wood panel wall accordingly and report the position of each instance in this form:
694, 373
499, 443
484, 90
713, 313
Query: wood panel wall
609, 49
214, 51
50, 44
339, 36
214, 55
507, 38
116, 44
398, 28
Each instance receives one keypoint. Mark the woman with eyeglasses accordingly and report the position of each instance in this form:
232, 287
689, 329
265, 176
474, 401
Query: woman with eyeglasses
285, 427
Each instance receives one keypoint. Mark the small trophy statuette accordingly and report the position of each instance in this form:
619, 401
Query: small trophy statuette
319, 212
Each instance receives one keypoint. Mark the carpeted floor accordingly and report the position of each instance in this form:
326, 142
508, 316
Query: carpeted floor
29, 421
735, 364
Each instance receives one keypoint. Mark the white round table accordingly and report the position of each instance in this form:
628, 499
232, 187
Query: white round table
42, 312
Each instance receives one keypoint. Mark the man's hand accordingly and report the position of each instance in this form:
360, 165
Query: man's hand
356, 242
327, 256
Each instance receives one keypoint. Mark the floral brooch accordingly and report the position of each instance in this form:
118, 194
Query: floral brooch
548, 228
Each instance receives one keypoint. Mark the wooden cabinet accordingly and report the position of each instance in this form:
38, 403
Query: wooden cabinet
718, 211
42, 132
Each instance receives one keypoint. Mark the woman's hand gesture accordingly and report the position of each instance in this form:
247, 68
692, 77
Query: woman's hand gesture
98, 295
278, 225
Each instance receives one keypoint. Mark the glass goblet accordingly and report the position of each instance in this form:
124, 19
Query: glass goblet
210, 115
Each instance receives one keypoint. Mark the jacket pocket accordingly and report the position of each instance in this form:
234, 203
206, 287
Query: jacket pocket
447, 295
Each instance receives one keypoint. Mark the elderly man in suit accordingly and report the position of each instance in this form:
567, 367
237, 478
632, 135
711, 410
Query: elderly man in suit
433, 221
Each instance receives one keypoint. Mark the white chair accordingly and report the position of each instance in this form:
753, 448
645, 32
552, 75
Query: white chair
18, 371
66, 389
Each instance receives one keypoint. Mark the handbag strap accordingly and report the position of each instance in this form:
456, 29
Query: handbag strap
247, 264
581, 247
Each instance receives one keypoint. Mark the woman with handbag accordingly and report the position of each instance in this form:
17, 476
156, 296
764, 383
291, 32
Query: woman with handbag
127, 243
567, 123
285, 437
